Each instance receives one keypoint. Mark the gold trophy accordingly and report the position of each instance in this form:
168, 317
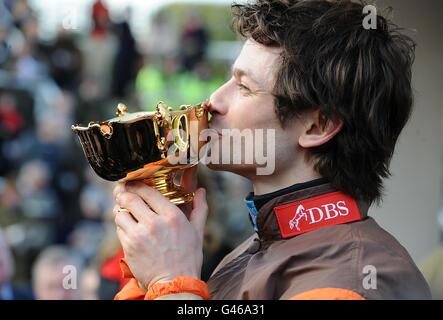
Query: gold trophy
147, 146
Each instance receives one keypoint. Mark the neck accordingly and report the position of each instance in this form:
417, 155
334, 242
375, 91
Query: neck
285, 178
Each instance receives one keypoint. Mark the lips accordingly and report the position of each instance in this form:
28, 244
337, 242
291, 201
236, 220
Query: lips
214, 129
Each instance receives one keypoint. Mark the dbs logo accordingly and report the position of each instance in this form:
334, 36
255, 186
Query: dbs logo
306, 215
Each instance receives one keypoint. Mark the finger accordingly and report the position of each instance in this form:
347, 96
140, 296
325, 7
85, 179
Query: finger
135, 205
117, 209
200, 212
125, 222
152, 197
189, 179
119, 188
124, 240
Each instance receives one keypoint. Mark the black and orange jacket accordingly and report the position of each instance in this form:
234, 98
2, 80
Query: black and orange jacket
314, 243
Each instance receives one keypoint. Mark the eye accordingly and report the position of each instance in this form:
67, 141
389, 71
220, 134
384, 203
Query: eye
243, 87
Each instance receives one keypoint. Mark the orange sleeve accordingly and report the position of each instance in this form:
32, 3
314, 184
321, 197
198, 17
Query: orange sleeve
328, 294
130, 291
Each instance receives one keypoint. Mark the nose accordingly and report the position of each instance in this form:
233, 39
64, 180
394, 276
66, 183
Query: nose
217, 101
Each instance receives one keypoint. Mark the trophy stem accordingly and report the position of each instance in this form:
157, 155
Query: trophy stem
164, 183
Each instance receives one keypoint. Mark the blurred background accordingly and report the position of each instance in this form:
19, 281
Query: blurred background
71, 61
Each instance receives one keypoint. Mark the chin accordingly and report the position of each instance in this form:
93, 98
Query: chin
240, 169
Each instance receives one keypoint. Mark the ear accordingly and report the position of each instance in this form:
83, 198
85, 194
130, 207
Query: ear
317, 132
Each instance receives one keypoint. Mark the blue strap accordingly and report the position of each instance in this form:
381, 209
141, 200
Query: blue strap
253, 213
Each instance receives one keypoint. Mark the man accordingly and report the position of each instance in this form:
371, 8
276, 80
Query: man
8, 290
56, 274
336, 95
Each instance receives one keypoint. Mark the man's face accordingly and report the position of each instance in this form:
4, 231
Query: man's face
48, 284
245, 102
6, 261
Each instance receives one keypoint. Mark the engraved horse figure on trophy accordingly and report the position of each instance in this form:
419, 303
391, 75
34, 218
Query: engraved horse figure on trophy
299, 214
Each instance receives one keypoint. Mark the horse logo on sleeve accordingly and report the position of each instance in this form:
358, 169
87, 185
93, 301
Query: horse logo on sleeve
299, 214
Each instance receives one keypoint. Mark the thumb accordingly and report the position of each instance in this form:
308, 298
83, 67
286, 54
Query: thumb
199, 212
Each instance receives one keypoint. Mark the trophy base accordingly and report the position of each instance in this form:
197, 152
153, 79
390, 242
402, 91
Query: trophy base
164, 183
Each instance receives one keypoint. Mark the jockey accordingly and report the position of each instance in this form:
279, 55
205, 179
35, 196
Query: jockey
335, 96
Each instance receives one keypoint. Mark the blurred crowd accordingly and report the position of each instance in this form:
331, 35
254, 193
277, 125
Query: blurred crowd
57, 236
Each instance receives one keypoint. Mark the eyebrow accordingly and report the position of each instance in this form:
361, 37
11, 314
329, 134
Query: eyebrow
238, 73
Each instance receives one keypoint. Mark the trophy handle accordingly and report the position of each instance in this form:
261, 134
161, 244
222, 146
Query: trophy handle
179, 125
180, 128
162, 119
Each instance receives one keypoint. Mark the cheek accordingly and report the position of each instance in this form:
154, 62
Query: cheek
287, 148
241, 118
253, 112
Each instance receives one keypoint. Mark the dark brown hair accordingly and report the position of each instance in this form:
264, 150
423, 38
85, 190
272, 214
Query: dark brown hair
330, 62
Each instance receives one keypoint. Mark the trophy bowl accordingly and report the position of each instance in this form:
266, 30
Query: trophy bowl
147, 146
